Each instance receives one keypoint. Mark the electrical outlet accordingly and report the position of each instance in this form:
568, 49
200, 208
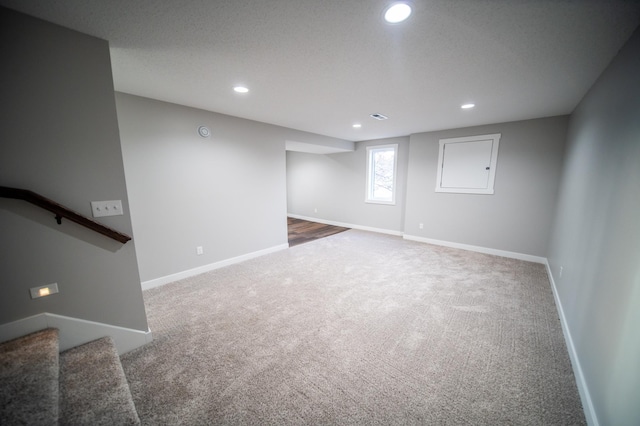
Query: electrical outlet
561, 268
199, 250
421, 226
315, 210
106, 208
45, 290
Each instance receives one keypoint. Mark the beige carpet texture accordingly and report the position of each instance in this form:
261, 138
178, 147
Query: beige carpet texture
29, 379
93, 387
357, 328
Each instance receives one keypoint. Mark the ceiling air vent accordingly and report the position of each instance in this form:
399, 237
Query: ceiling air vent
379, 116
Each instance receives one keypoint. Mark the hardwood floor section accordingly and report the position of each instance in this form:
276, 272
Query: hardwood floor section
303, 231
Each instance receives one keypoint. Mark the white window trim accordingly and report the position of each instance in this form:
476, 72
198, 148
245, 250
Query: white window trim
367, 199
492, 171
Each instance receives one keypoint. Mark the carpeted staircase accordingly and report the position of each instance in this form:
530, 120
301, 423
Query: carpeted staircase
81, 386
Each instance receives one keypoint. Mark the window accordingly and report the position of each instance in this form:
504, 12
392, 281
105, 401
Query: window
381, 174
468, 165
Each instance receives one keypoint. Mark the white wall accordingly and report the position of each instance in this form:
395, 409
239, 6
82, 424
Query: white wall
334, 184
59, 137
517, 218
226, 193
596, 239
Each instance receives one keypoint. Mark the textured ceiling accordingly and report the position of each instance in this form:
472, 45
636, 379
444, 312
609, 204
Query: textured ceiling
322, 65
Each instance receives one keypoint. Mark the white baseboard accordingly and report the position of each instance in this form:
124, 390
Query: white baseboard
157, 282
583, 389
486, 250
74, 332
347, 225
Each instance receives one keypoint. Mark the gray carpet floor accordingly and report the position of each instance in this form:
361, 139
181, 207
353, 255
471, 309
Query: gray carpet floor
357, 328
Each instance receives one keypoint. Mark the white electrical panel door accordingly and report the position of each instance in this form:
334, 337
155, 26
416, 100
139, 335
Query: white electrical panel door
467, 165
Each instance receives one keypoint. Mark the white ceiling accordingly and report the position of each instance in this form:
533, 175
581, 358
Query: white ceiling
322, 65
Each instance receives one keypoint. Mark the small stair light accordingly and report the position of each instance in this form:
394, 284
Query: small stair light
42, 291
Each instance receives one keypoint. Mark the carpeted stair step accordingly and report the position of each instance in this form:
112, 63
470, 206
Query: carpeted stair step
93, 387
29, 379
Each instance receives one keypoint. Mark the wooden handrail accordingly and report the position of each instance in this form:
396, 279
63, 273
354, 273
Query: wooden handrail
62, 211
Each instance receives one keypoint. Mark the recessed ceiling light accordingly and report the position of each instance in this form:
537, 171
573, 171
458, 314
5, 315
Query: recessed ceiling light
241, 89
397, 12
467, 106
357, 125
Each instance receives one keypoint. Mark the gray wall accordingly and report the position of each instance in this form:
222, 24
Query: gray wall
226, 193
517, 218
59, 137
596, 238
334, 184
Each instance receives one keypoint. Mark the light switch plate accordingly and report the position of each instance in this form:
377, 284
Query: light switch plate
106, 208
